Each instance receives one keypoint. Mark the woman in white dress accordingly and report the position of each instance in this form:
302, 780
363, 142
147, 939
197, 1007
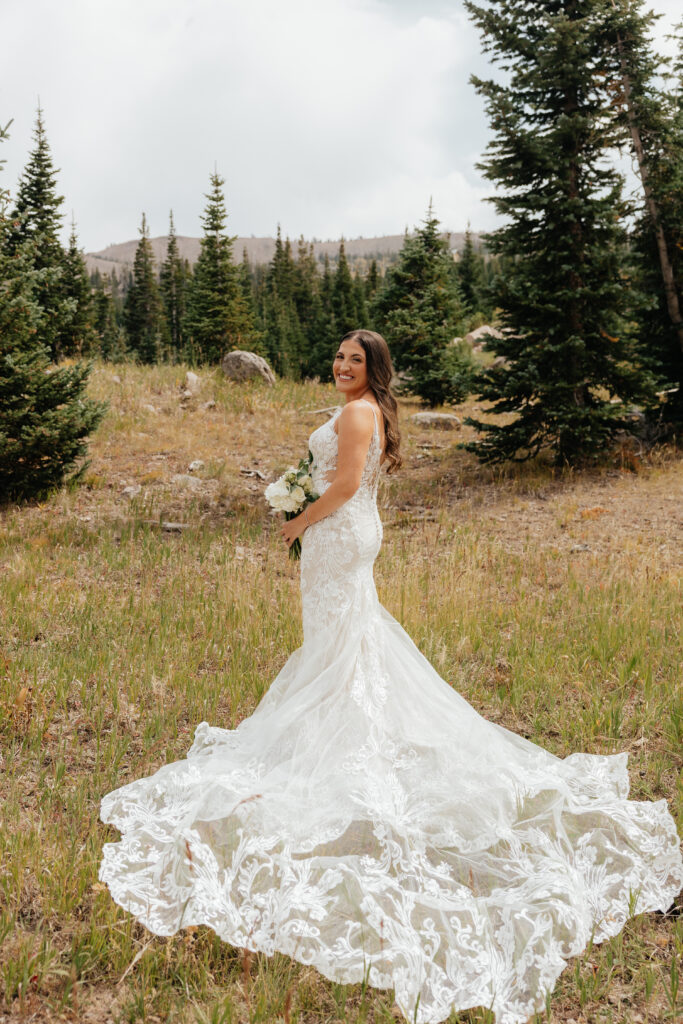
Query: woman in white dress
366, 819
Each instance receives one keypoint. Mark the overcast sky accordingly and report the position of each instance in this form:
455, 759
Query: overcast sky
330, 117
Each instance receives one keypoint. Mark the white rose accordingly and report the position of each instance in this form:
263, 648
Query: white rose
298, 496
275, 492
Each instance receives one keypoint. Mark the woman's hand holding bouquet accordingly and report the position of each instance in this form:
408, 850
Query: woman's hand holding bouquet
291, 493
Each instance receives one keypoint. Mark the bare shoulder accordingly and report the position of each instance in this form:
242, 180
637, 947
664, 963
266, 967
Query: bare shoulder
356, 418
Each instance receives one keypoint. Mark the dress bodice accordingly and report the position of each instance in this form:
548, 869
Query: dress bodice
323, 444
338, 551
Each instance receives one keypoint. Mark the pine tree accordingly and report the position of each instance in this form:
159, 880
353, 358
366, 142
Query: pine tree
45, 418
110, 333
372, 281
79, 337
567, 297
327, 299
470, 274
173, 284
37, 217
285, 338
281, 270
344, 299
648, 96
359, 301
419, 311
246, 278
327, 335
143, 313
305, 290
309, 307
218, 318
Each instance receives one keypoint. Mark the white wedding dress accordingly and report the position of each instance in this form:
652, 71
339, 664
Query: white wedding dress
367, 820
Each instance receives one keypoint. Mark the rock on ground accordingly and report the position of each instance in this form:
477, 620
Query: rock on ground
477, 338
185, 480
441, 420
240, 365
189, 482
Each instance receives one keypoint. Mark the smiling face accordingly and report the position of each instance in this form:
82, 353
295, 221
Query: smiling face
350, 369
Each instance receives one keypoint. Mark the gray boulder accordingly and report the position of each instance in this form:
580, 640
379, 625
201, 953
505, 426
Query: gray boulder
185, 480
240, 365
439, 420
189, 482
478, 338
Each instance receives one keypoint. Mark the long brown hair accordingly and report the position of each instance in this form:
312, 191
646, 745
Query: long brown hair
380, 371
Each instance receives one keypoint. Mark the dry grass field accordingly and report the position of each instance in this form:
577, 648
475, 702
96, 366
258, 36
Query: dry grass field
551, 601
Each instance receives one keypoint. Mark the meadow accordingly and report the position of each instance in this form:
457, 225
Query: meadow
550, 599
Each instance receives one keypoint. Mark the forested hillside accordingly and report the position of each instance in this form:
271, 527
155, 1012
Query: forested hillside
383, 248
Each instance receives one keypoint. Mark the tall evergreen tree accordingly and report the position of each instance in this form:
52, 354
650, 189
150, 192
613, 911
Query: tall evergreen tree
372, 281
344, 297
246, 277
305, 290
173, 283
470, 274
218, 318
419, 311
143, 313
360, 304
115, 290
309, 309
281, 271
110, 333
567, 297
285, 338
327, 332
649, 98
80, 336
45, 418
37, 217
327, 296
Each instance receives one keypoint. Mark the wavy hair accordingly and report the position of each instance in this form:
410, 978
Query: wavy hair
380, 371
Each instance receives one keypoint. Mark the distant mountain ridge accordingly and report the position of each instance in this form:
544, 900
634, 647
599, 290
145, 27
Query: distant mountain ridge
259, 250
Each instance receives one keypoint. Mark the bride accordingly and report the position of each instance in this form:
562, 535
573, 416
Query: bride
366, 819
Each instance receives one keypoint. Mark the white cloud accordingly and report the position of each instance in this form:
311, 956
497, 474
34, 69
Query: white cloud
329, 116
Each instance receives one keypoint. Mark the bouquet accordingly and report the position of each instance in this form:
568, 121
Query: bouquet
291, 493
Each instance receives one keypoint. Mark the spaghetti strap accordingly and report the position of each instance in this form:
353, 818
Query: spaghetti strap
374, 414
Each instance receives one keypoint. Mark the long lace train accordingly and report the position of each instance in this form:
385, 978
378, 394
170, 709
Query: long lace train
367, 820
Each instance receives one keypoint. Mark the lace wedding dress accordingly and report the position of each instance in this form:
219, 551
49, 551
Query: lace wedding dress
367, 820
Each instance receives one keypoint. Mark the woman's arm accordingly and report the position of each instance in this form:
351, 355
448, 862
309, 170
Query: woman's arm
355, 425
